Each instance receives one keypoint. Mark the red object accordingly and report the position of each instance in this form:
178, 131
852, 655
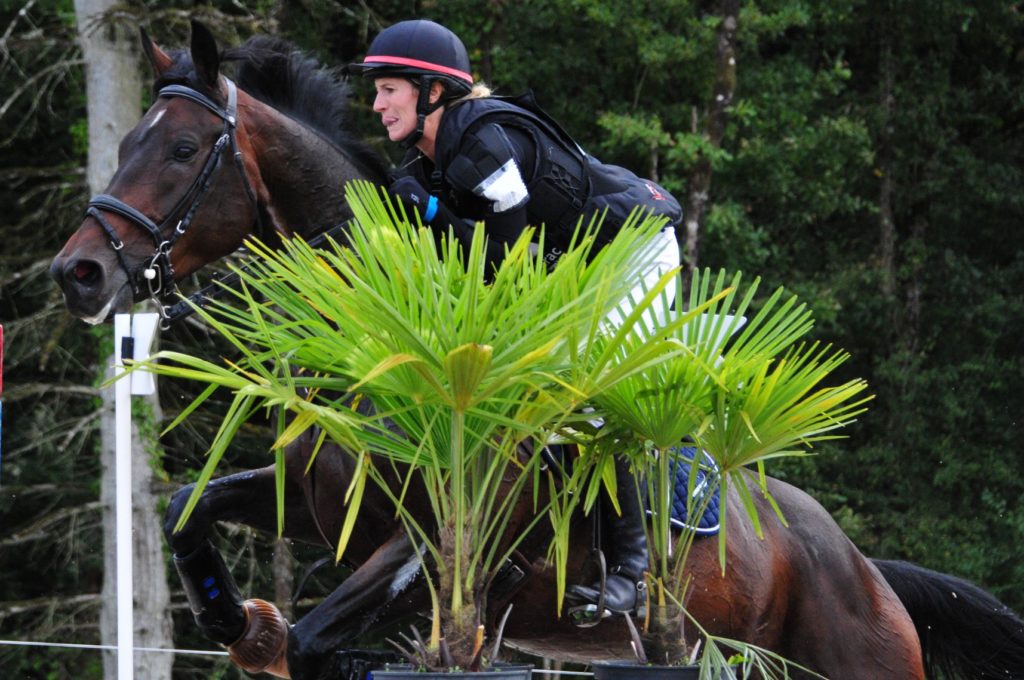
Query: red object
1, 390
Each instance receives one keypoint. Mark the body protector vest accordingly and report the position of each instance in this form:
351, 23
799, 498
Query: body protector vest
562, 184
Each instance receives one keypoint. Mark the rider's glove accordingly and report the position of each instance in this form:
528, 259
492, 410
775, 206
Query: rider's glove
439, 218
414, 196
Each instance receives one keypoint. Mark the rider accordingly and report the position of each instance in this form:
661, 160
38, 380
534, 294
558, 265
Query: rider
477, 158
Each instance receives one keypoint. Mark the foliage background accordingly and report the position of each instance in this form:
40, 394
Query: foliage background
871, 163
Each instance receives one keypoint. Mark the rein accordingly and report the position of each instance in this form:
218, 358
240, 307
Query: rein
158, 273
213, 290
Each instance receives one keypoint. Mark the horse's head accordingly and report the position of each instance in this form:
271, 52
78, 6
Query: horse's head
184, 194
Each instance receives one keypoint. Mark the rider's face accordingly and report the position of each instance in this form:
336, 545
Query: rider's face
396, 104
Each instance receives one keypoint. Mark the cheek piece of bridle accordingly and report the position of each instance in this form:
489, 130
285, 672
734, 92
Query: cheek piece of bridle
157, 273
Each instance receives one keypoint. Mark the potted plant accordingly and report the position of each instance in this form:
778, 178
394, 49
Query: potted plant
467, 369
740, 393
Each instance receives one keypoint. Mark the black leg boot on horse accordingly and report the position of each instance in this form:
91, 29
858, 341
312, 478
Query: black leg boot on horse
627, 555
253, 631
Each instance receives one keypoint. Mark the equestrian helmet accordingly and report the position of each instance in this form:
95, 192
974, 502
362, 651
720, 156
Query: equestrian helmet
419, 49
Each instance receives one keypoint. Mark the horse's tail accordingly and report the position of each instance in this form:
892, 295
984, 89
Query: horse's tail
965, 632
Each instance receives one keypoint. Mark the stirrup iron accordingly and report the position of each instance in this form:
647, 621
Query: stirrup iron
589, 615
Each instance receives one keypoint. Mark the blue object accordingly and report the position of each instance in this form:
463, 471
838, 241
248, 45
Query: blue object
431, 211
210, 584
706, 492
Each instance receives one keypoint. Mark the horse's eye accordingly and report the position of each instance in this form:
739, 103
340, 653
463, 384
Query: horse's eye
184, 152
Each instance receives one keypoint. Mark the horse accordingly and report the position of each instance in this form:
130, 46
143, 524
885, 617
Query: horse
177, 203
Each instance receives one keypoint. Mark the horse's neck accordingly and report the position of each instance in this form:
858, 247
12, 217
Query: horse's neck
303, 174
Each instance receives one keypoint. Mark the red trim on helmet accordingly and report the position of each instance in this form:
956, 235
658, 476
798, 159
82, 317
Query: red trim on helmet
416, 63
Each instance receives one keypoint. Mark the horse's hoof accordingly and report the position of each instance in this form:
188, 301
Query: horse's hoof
263, 645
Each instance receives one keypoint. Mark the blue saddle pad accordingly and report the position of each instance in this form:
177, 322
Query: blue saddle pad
706, 490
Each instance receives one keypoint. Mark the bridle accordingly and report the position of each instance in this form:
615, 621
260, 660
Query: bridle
158, 274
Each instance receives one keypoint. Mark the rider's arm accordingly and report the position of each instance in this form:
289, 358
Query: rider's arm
435, 214
493, 164
490, 164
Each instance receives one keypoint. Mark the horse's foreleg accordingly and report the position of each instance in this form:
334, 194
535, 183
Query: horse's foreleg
247, 498
349, 610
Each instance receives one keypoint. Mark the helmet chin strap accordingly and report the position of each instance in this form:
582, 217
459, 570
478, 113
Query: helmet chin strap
424, 107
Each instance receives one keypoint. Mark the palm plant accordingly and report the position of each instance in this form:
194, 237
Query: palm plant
756, 397
460, 372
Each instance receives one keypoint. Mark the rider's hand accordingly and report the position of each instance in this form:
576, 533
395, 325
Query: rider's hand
432, 212
414, 196
440, 219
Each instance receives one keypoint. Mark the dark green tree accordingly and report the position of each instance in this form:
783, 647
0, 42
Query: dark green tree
869, 161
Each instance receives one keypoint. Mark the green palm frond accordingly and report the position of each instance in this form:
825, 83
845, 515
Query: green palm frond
745, 391
465, 368
463, 365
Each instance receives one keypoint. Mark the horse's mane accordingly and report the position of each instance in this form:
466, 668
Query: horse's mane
275, 72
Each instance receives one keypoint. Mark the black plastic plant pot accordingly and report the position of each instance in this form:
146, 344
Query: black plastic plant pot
499, 672
628, 670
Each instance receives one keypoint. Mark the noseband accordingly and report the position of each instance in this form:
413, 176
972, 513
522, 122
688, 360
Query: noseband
158, 273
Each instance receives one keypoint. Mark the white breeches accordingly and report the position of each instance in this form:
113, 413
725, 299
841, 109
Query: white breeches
664, 257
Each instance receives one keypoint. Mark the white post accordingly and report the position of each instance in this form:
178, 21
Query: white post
143, 332
132, 340
123, 497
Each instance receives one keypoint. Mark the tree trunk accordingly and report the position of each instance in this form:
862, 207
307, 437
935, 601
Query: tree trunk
886, 218
699, 181
114, 91
911, 328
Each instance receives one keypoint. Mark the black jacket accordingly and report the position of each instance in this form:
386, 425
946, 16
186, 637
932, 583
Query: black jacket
505, 162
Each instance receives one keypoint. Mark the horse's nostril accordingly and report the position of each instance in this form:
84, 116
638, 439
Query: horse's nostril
85, 273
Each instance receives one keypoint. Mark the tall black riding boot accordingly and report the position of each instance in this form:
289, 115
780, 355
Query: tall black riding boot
627, 549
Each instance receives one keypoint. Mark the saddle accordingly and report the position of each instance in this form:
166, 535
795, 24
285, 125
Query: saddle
699, 512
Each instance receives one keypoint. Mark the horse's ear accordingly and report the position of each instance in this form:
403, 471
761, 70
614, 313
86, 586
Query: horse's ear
160, 60
205, 56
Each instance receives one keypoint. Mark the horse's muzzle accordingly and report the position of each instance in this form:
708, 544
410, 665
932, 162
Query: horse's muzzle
92, 290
